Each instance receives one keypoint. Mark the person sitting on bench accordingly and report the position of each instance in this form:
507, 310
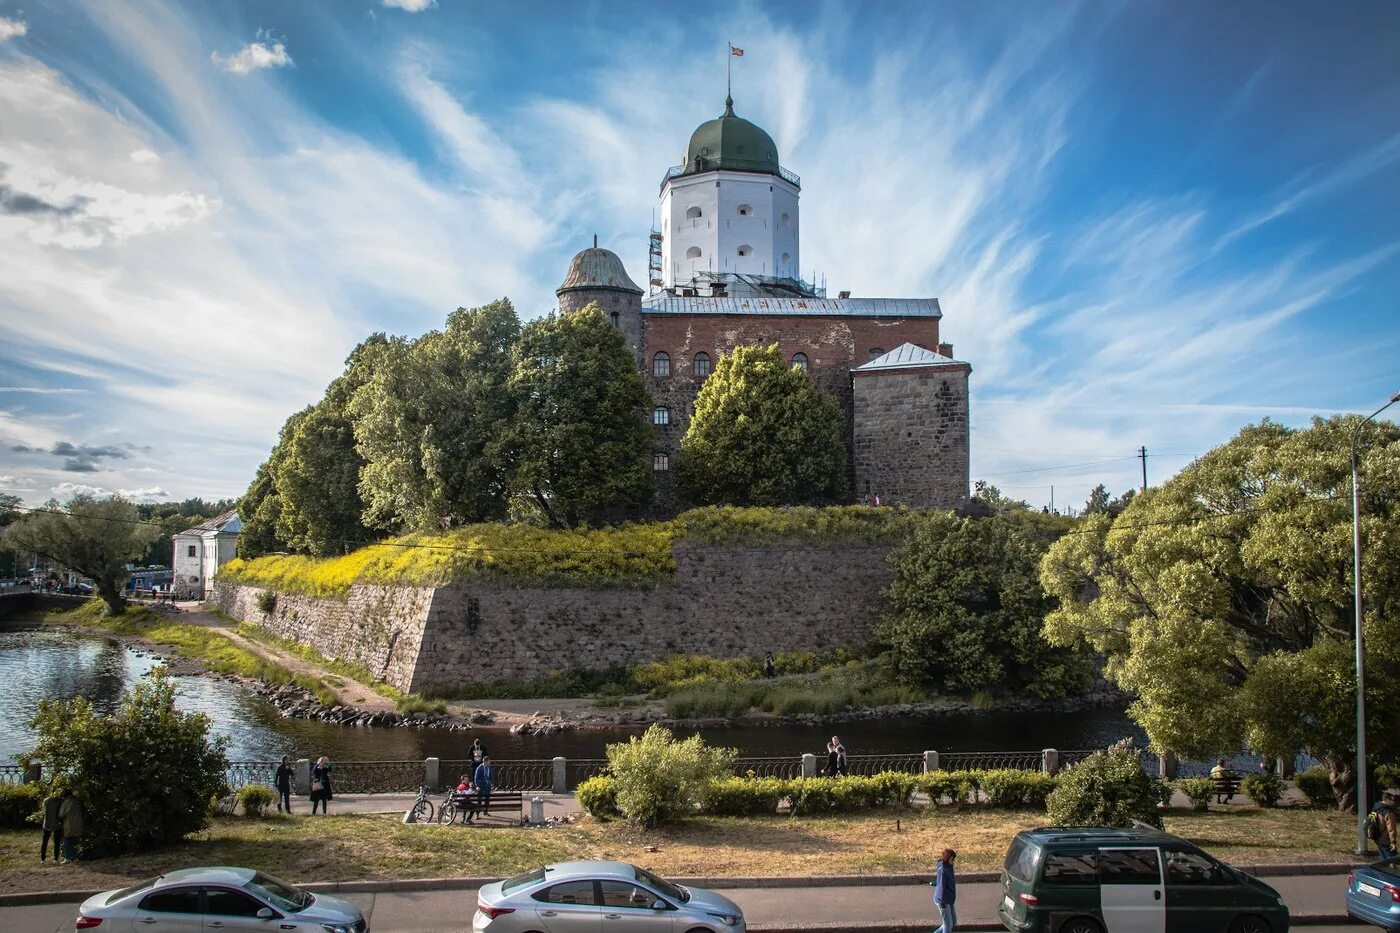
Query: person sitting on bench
1225, 782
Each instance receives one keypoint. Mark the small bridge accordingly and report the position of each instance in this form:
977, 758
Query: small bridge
22, 599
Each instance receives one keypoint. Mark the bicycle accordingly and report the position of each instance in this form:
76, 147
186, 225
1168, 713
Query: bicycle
422, 809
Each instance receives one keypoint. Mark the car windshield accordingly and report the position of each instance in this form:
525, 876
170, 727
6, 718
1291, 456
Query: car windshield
278, 893
674, 891
533, 876
134, 889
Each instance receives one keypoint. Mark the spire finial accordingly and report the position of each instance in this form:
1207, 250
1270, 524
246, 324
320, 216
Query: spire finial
595, 241
728, 106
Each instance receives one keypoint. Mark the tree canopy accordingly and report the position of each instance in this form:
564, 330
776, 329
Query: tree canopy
94, 537
431, 423
1239, 568
966, 610
582, 453
762, 434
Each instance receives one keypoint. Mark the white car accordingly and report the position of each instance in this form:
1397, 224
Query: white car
194, 900
599, 897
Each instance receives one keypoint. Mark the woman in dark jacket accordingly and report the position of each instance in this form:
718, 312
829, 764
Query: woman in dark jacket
321, 784
945, 892
283, 783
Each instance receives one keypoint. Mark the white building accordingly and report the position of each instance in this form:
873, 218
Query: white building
200, 552
730, 209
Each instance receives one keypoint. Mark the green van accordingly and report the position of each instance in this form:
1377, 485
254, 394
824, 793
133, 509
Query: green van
1105, 880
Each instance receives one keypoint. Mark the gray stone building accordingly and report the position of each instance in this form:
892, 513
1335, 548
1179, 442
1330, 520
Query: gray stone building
730, 279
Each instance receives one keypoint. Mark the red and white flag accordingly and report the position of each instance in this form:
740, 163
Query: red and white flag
738, 53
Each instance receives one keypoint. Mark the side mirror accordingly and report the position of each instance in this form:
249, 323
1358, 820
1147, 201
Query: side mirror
659, 904
266, 913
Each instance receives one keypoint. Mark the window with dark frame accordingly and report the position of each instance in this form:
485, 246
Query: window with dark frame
800, 361
661, 364
702, 364
661, 416
661, 463
1071, 868
192, 551
473, 613
1129, 866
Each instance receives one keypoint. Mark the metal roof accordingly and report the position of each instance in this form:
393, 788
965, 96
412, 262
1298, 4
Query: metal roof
225, 522
597, 267
908, 356
811, 307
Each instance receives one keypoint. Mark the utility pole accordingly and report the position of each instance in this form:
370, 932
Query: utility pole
1142, 455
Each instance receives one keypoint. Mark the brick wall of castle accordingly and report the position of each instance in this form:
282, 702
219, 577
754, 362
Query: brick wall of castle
911, 436
722, 602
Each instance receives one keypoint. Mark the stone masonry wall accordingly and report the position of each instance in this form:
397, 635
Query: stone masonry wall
380, 627
723, 601
911, 436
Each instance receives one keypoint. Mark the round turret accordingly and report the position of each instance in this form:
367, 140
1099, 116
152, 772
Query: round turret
595, 268
597, 276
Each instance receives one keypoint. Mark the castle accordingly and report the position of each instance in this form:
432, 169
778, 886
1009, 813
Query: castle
725, 273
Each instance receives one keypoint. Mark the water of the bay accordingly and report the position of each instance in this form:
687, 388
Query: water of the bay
48, 663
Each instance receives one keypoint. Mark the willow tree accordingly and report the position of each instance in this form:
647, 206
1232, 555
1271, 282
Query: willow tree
1223, 598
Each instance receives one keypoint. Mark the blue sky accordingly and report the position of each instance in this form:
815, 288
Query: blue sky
1148, 223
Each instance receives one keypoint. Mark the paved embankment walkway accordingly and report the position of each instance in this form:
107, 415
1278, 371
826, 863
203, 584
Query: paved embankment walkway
1316, 900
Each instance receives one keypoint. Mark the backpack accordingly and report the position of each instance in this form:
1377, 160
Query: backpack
1373, 823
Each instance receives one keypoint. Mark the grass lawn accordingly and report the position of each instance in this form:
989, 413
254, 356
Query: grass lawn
342, 848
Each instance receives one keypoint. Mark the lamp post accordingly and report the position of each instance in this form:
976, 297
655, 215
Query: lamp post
1361, 797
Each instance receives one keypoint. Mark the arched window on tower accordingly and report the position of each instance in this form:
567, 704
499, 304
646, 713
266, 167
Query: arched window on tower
746, 250
660, 462
876, 353
661, 416
787, 259
661, 364
800, 361
692, 213
693, 253
745, 210
702, 364
785, 222
615, 318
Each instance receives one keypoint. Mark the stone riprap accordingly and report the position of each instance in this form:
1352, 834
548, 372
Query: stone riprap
723, 602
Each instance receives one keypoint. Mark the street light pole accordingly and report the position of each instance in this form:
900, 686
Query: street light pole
1362, 800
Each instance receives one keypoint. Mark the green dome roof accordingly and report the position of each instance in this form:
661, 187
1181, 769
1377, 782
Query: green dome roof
733, 143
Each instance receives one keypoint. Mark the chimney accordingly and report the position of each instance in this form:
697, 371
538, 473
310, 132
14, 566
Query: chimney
845, 294
945, 349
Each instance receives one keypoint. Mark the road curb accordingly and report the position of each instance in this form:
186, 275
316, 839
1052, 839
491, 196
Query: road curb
1302, 920
29, 898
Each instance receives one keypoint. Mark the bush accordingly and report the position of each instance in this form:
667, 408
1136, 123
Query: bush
1316, 785
267, 601
738, 796
1198, 790
1388, 777
18, 802
659, 779
255, 799
1109, 788
147, 774
598, 797
958, 787
1264, 789
414, 703
1015, 789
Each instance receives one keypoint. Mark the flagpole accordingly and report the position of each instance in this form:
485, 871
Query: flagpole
729, 72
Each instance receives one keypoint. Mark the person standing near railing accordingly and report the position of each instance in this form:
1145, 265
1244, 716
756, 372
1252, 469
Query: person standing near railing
483, 780
53, 826
283, 783
321, 785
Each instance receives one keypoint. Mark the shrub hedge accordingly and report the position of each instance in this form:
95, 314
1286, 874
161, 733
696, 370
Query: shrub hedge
1109, 788
18, 802
1198, 790
598, 797
523, 555
255, 799
1264, 789
1316, 785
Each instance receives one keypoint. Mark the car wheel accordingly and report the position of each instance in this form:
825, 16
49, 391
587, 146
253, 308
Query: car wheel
1250, 924
1080, 925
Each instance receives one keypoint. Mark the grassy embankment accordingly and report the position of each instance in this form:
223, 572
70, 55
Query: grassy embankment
629, 556
360, 847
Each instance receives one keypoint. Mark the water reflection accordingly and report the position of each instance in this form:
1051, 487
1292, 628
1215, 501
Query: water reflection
38, 663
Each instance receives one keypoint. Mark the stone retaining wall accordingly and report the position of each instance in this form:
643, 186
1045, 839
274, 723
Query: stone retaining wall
723, 602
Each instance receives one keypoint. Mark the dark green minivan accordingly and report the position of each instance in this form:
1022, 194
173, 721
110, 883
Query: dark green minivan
1104, 880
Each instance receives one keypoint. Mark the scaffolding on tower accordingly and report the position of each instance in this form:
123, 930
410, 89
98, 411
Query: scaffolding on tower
654, 260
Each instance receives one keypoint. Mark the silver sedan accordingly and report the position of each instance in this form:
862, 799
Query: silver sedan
601, 897
195, 900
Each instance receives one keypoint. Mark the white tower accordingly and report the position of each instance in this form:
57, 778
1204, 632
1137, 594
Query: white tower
730, 207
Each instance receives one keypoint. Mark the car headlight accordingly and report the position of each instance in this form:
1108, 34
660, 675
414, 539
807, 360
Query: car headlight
338, 927
727, 919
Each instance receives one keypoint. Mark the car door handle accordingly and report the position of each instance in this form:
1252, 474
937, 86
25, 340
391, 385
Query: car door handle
215, 923
613, 916
148, 920
549, 913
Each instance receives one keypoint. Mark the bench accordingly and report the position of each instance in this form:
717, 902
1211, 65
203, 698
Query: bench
500, 801
1226, 786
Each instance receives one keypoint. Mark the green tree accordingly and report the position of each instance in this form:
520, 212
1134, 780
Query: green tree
1099, 501
432, 421
9, 513
966, 610
582, 452
261, 506
94, 537
994, 501
147, 775
317, 480
1239, 566
659, 780
762, 434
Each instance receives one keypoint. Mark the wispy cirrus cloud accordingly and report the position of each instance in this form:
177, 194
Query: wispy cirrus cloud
12, 28
410, 6
255, 56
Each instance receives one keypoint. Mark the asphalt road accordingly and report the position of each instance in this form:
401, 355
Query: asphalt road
836, 908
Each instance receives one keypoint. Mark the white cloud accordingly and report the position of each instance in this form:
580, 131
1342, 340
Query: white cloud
252, 57
410, 6
144, 156
12, 28
43, 390
67, 490
16, 482
150, 494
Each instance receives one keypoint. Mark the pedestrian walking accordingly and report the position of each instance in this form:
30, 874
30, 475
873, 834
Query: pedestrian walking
769, 667
1382, 825
321, 785
945, 892
483, 780
283, 783
53, 826
73, 819
835, 758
